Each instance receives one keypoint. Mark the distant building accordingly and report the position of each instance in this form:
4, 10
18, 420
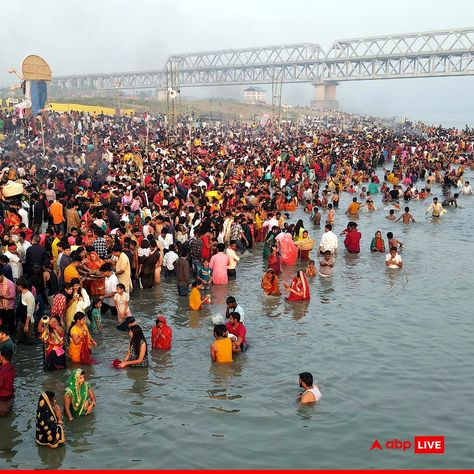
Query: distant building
254, 95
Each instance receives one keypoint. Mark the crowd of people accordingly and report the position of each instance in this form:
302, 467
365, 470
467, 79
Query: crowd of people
95, 208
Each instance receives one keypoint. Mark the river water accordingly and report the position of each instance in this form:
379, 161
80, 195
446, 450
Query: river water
390, 350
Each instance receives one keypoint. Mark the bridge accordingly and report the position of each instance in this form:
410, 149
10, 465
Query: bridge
443, 53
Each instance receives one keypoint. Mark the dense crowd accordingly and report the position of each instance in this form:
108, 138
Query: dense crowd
95, 208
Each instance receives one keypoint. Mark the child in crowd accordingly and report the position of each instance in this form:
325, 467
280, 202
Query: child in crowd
311, 269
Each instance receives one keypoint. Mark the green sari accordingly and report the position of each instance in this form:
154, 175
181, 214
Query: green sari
269, 242
78, 394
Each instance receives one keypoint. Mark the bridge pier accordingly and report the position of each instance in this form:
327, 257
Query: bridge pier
325, 95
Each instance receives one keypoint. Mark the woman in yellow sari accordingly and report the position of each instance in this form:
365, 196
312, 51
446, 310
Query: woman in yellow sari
305, 245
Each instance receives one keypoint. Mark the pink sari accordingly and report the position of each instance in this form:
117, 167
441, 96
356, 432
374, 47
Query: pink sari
288, 249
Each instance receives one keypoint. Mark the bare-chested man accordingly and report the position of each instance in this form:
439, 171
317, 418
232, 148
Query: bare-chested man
406, 217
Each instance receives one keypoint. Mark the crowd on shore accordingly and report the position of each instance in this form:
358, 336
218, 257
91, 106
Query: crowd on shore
95, 209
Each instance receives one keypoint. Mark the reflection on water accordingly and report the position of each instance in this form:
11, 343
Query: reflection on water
382, 344
51, 458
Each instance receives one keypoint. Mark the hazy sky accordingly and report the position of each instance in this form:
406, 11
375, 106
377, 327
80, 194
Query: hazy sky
123, 35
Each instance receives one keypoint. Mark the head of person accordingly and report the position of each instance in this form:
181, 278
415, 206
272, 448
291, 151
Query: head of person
79, 319
116, 250
160, 321
435, 199
231, 302
220, 247
407, 209
3, 333
306, 379
234, 318
120, 288
82, 377
220, 330
106, 269
328, 227
389, 235
378, 234
136, 337
327, 254
305, 234
12, 248
130, 321
23, 284
6, 355
392, 212
393, 250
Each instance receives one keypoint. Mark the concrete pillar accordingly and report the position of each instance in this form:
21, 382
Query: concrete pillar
325, 95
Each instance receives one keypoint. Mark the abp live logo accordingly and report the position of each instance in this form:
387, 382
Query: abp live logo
422, 445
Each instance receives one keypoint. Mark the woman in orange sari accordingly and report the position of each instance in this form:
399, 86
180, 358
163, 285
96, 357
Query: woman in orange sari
80, 340
92, 262
270, 283
92, 265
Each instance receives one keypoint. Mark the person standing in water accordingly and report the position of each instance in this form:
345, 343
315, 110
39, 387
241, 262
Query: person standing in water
436, 208
221, 348
406, 217
311, 393
393, 259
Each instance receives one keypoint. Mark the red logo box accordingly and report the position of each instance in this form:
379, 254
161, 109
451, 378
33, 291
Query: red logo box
429, 444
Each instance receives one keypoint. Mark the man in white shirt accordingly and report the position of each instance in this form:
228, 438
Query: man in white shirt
111, 282
270, 222
168, 260
466, 189
233, 257
393, 259
328, 240
165, 238
15, 262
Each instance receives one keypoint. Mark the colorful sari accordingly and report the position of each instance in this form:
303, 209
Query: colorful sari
301, 287
93, 264
195, 300
54, 353
274, 263
161, 341
269, 283
377, 245
288, 249
77, 393
269, 241
49, 432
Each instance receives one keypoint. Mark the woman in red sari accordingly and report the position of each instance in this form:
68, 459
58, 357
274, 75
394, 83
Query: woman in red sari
161, 334
299, 289
274, 260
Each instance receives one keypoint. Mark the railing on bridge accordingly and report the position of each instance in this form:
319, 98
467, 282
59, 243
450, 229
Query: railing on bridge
427, 54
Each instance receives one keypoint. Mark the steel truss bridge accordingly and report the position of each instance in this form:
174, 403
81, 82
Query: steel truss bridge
426, 54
